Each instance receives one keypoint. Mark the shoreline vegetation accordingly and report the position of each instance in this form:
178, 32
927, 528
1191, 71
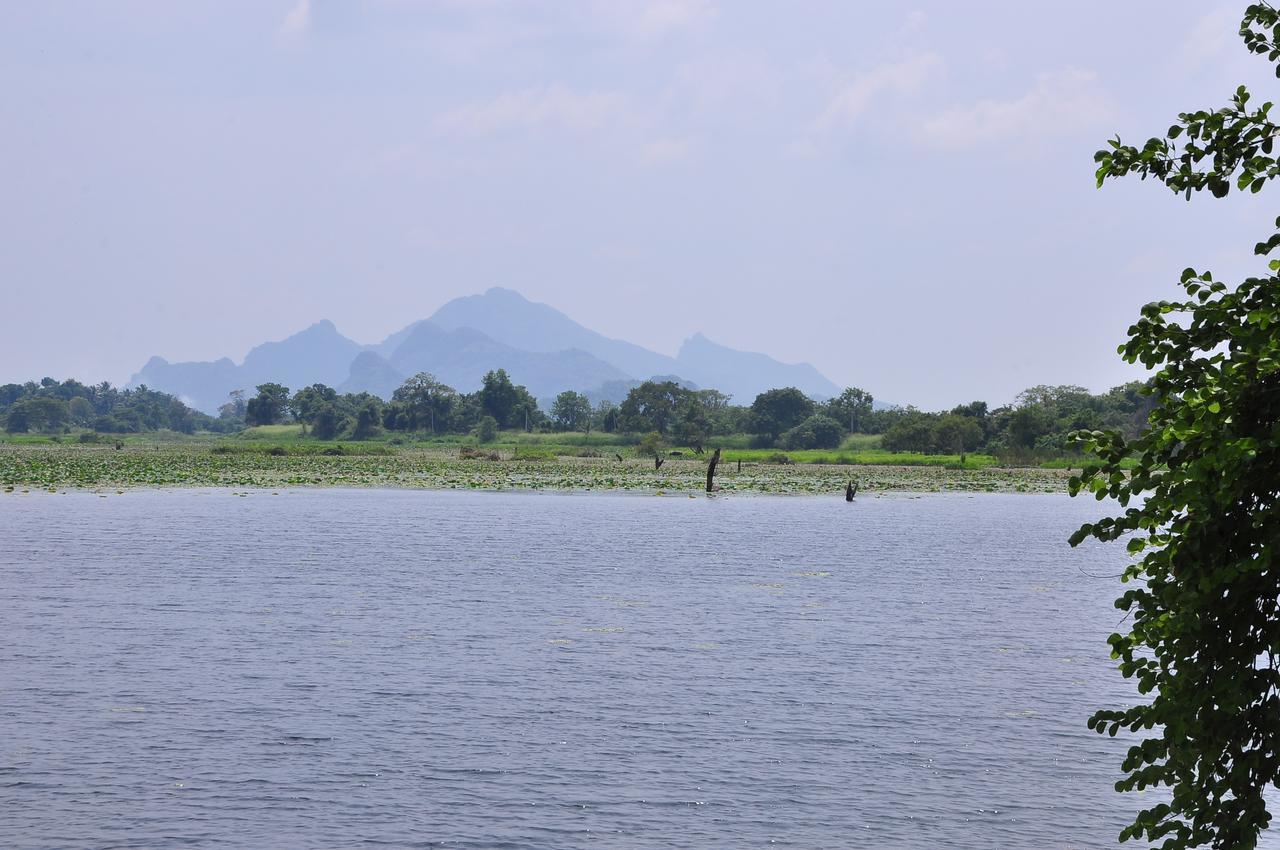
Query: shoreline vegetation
662, 437
279, 456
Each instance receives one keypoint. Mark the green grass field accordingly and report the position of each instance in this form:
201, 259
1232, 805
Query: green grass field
30, 466
858, 450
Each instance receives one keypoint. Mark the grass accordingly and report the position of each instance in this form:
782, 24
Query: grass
870, 457
855, 450
1077, 462
260, 463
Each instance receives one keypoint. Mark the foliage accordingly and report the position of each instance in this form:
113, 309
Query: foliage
1205, 614
571, 411
235, 407
780, 410
145, 462
816, 432
509, 404
851, 408
1031, 431
911, 433
956, 434
651, 406
269, 406
325, 423
427, 404
607, 417
367, 418
486, 429
307, 403
651, 445
53, 406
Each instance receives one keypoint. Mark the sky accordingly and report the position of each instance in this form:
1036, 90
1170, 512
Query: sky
900, 194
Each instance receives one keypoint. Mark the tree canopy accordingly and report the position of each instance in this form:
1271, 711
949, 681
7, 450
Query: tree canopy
1201, 504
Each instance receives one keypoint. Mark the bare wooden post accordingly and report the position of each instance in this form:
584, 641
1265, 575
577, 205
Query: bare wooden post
711, 470
739, 464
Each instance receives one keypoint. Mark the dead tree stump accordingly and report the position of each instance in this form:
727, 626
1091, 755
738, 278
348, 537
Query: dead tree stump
711, 470
850, 490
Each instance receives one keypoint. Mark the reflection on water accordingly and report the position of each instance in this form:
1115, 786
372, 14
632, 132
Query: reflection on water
319, 669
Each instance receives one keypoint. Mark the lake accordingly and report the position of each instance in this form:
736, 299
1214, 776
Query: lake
402, 668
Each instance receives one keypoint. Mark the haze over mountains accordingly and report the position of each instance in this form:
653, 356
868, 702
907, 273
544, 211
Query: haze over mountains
538, 345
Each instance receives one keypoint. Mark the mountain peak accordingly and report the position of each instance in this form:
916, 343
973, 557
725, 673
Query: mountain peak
698, 338
324, 326
541, 347
506, 294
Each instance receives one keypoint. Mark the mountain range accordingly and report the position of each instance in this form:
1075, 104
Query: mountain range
539, 346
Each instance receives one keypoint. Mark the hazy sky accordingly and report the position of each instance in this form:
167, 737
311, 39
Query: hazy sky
900, 194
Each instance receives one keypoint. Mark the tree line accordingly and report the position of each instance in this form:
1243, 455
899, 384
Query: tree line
1036, 424
54, 407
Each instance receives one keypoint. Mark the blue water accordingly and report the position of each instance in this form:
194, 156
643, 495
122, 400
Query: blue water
397, 669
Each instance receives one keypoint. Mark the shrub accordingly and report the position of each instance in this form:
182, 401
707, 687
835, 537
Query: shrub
816, 432
486, 429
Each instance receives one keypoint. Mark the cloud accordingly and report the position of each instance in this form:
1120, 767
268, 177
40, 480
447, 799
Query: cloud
648, 19
1211, 33
660, 16
714, 82
852, 102
298, 21
531, 108
1060, 102
661, 151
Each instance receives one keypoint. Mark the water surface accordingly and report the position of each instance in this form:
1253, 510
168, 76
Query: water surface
395, 668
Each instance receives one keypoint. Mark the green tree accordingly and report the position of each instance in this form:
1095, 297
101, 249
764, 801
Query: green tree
42, 413
325, 423
498, 397
956, 434
651, 406
571, 411
1203, 639
606, 416
367, 419
817, 432
912, 432
426, 403
269, 406
486, 430
17, 421
692, 425
80, 411
235, 407
780, 410
850, 408
307, 403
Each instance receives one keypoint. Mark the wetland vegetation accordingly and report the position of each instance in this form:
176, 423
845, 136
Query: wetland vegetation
61, 434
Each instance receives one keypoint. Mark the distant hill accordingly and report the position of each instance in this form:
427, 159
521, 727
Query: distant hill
744, 374
507, 315
460, 357
538, 345
202, 385
318, 354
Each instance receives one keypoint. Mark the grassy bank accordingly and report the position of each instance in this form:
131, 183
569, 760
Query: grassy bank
267, 463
